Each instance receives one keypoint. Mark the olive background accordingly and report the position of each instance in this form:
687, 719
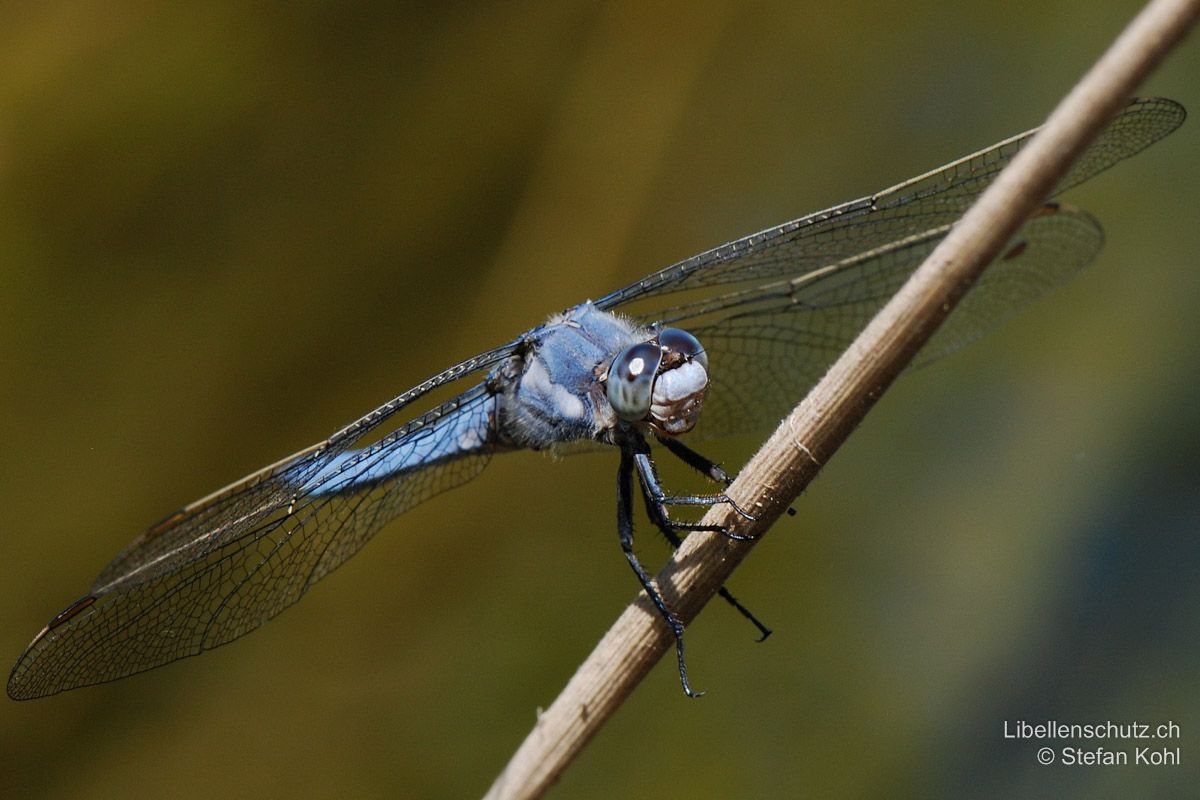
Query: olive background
227, 229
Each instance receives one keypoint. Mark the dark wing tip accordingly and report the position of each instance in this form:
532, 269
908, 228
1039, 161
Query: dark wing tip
19, 686
24, 682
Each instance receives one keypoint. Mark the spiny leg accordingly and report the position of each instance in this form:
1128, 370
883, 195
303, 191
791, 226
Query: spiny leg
687, 455
700, 463
673, 539
653, 489
715, 472
625, 529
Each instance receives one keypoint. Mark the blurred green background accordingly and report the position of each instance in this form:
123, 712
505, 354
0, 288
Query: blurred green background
228, 229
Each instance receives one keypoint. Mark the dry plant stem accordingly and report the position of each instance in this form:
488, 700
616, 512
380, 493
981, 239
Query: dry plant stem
810, 435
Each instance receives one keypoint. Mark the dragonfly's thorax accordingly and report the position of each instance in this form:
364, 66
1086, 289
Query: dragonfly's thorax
586, 372
551, 391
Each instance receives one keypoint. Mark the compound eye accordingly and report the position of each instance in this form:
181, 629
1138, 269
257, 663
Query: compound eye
674, 340
631, 380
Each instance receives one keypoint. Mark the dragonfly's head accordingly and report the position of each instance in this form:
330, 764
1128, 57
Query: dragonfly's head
661, 382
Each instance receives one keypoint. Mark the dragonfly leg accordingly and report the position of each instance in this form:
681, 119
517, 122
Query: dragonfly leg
625, 529
701, 464
651, 486
696, 461
665, 527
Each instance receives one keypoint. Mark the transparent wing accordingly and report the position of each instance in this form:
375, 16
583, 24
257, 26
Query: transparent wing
226, 564
768, 346
812, 284
920, 204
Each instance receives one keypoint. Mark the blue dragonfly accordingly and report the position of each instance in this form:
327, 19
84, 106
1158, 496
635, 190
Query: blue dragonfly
722, 342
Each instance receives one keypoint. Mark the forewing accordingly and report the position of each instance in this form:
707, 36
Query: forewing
223, 566
923, 203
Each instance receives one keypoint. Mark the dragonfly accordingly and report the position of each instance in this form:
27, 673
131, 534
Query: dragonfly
723, 342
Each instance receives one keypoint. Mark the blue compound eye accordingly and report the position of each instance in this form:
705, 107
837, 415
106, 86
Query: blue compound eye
674, 340
631, 380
